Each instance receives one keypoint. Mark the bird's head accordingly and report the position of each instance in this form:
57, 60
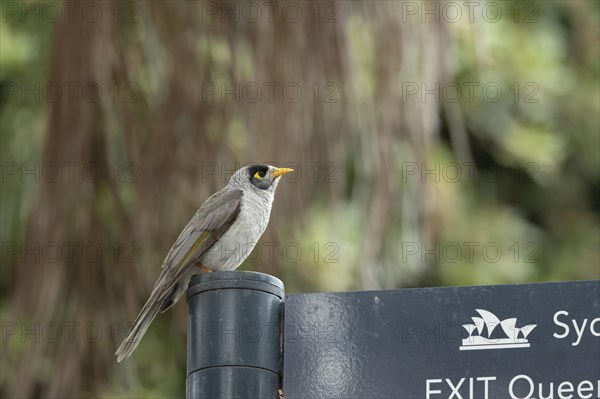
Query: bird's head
259, 177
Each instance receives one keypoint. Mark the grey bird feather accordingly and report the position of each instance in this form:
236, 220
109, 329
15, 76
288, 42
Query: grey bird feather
219, 236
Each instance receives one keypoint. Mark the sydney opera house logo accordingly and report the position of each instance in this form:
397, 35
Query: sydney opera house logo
488, 332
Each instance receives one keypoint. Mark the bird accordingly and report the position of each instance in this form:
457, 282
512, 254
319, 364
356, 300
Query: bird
219, 237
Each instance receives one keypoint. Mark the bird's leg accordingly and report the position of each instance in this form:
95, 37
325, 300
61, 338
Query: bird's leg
203, 268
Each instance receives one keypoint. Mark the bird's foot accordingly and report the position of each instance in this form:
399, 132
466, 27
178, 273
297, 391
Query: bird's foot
203, 268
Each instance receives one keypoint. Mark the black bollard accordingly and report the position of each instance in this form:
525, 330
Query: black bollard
234, 335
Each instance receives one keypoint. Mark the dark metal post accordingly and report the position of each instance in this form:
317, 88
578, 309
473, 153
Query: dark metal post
234, 335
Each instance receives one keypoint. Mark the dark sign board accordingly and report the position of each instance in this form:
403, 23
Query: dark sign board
509, 341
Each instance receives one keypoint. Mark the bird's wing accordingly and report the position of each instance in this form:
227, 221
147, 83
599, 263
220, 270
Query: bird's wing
208, 224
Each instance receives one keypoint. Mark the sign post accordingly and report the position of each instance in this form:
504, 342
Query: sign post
234, 345
506, 342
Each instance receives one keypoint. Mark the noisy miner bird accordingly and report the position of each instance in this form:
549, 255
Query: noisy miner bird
220, 236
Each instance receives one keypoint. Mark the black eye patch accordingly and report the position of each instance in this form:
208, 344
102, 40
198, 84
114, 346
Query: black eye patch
261, 169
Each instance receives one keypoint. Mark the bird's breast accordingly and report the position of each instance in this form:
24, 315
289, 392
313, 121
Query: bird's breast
239, 240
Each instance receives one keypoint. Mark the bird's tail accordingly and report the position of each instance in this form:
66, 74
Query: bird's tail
140, 325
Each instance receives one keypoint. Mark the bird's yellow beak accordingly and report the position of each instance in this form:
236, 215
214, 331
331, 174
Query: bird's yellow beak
281, 171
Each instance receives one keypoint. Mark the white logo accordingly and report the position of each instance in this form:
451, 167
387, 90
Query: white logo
480, 333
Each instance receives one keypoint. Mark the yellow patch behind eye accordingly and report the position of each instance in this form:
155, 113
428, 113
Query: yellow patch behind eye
257, 176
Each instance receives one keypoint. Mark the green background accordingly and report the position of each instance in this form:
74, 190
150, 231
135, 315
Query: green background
431, 148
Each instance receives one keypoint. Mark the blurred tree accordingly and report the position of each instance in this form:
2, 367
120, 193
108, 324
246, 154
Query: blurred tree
176, 116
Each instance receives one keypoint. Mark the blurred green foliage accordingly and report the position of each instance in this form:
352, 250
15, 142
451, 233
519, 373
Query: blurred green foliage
529, 171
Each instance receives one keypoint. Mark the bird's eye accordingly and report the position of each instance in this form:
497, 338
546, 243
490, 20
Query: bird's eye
260, 175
